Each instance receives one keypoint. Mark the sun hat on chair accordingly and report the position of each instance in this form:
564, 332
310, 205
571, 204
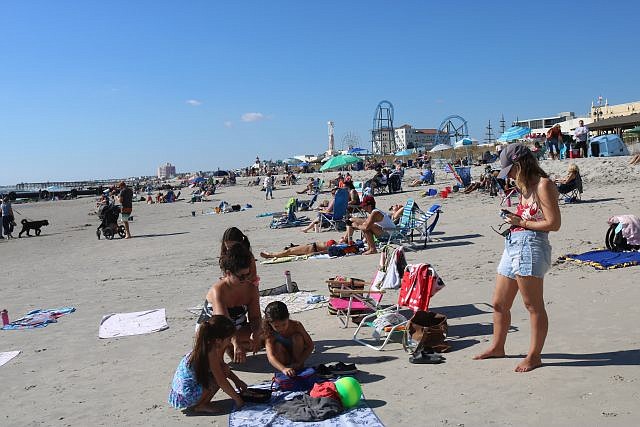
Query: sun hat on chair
509, 155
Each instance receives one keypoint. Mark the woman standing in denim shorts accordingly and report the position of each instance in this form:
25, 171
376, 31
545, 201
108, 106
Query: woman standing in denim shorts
527, 253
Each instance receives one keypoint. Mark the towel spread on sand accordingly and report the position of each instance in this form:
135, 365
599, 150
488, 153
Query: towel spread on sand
5, 356
38, 318
125, 324
296, 302
263, 414
605, 259
284, 259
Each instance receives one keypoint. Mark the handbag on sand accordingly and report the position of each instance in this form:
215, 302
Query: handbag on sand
426, 330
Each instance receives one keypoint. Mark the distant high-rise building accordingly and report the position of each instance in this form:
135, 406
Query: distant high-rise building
166, 171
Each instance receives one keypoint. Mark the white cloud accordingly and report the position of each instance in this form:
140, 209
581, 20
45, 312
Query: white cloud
228, 124
194, 102
252, 117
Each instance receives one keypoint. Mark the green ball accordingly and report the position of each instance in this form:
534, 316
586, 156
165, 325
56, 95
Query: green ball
349, 390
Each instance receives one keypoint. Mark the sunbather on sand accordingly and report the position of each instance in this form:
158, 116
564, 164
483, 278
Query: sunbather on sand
316, 224
308, 249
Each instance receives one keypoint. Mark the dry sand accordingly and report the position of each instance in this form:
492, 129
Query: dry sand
65, 375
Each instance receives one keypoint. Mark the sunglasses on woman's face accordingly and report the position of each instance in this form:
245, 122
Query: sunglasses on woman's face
244, 277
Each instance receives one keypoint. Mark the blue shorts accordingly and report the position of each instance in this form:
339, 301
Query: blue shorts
526, 253
552, 145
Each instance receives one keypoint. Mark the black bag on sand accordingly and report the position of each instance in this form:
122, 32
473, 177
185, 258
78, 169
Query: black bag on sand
616, 242
426, 330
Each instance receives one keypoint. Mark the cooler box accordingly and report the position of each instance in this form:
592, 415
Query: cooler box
574, 153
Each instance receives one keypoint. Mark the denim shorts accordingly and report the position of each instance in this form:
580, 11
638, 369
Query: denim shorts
526, 253
552, 145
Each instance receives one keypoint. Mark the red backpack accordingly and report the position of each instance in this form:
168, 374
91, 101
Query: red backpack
419, 283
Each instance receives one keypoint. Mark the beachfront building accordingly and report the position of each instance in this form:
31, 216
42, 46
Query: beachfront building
166, 171
408, 137
602, 111
544, 123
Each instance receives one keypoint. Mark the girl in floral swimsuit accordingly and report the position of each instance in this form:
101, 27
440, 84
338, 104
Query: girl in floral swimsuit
527, 253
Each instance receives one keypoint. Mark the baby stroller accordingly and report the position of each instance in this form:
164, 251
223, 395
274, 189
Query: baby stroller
108, 214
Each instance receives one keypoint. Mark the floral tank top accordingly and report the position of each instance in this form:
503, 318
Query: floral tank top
529, 212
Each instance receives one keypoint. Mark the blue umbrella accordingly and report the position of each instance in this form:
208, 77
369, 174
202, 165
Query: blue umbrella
303, 164
404, 153
514, 132
197, 179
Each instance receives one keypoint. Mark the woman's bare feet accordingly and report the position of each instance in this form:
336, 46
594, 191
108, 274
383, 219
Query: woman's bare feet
529, 363
490, 353
206, 408
370, 252
266, 255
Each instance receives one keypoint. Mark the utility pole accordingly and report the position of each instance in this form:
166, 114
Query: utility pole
489, 139
502, 126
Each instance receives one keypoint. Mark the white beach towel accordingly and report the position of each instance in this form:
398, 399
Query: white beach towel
5, 356
125, 324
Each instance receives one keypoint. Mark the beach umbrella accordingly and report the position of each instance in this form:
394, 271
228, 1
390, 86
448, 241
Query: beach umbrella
292, 161
513, 133
339, 162
357, 150
635, 130
303, 164
404, 153
197, 180
440, 147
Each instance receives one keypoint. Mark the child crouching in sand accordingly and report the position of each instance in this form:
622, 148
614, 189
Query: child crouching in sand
202, 371
287, 341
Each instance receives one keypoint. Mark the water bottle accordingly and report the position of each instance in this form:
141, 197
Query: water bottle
5, 317
287, 277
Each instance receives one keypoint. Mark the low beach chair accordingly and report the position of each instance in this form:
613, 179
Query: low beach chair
305, 205
349, 299
415, 220
288, 218
419, 283
571, 192
339, 214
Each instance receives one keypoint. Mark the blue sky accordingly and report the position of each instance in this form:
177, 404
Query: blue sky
99, 89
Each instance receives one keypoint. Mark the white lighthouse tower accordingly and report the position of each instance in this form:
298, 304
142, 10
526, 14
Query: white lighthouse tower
331, 150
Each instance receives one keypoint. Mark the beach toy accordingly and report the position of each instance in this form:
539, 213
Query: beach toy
444, 194
432, 192
349, 390
456, 188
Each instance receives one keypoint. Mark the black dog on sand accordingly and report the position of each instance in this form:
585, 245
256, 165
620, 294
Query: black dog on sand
32, 225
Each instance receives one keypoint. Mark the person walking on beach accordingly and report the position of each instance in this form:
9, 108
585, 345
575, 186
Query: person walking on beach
268, 186
554, 138
126, 200
580, 134
527, 253
7, 217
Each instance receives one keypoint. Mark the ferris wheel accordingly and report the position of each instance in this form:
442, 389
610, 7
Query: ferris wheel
452, 129
350, 140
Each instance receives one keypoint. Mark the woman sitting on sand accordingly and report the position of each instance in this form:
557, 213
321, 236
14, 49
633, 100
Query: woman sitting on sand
309, 249
235, 295
527, 253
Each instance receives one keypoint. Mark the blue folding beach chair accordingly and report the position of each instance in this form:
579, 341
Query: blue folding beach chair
416, 221
339, 214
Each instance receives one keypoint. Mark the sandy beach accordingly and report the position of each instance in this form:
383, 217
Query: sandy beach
66, 375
